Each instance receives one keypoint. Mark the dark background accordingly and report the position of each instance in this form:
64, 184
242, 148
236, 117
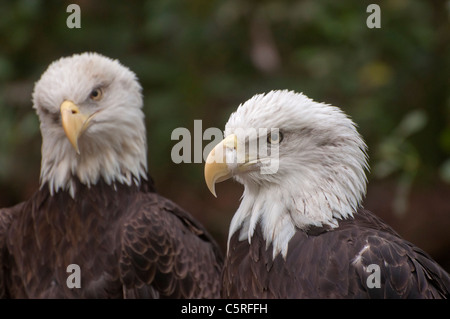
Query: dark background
199, 59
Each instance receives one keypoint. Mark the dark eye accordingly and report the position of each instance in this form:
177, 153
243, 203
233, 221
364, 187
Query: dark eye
96, 94
275, 137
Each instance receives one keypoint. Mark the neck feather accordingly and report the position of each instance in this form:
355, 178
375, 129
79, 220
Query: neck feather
123, 161
281, 211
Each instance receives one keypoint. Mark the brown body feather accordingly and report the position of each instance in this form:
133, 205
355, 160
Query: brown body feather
129, 242
324, 263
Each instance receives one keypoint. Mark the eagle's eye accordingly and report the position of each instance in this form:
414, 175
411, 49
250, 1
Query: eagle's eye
96, 94
275, 138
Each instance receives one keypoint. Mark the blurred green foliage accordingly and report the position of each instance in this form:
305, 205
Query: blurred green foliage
199, 59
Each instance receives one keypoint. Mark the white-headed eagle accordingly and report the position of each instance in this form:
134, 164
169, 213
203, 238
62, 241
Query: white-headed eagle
300, 230
96, 207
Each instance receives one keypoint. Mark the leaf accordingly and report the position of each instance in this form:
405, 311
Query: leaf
412, 123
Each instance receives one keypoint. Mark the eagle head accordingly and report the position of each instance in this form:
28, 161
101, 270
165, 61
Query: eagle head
91, 121
318, 163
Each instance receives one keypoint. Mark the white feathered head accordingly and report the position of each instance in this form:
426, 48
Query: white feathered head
92, 124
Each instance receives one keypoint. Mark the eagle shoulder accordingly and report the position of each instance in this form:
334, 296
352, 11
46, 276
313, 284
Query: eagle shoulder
166, 253
405, 271
6, 216
391, 267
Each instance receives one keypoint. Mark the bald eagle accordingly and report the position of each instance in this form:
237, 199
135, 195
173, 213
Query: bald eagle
97, 207
300, 230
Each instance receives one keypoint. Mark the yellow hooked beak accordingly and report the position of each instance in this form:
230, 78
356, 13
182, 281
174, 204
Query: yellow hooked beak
74, 122
216, 168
